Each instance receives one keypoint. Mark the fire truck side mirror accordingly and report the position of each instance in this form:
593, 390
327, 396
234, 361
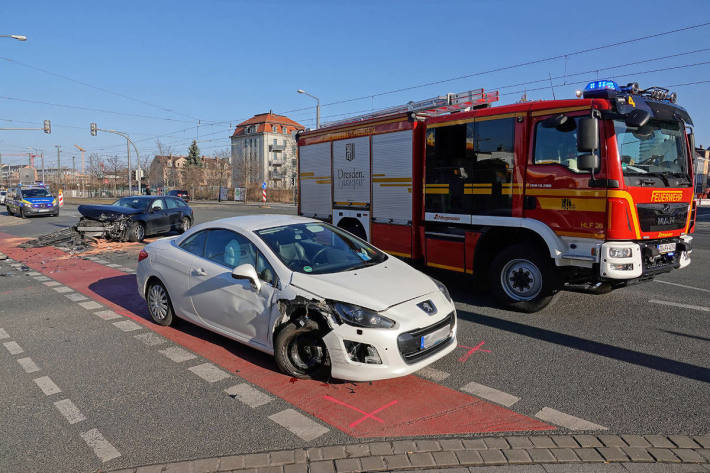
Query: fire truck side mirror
588, 135
588, 162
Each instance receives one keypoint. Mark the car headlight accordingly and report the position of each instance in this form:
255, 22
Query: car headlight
443, 290
619, 252
361, 317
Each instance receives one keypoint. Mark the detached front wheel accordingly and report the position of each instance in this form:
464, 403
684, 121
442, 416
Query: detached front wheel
300, 351
523, 279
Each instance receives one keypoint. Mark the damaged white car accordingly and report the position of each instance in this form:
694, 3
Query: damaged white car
322, 301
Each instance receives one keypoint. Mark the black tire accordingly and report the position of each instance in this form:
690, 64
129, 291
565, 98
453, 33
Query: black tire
22, 212
56, 214
9, 212
185, 224
523, 279
301, 353
136, 232
160, 307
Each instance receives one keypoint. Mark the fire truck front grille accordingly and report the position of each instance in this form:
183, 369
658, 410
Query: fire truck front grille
660, 217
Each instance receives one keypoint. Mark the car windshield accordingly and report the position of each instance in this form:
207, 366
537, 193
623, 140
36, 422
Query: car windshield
131, 203
35, 193
656, 149
318, 248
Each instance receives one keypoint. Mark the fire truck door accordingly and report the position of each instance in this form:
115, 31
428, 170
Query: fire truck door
557, 192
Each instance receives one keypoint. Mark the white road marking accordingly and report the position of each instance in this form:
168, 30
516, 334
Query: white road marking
209, 372
52, 283
70, 412
28, 365
177, 354
34, 273
682, 285
3, 334
150, 338
13, 347
76, 297
125, 270
299, 425
113, 265
250, 396
91, 305
102, 448
41, 278
47, 385
108, 314
565, 420
101, 261
127, 325
491, 394
677, 304
433, 374
63, 289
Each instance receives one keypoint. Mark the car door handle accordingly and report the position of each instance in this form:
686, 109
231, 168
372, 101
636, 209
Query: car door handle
199, 272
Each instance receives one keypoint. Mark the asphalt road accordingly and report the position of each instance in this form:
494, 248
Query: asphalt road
632, 361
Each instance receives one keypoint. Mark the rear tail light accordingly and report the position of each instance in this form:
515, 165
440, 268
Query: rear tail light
142, 255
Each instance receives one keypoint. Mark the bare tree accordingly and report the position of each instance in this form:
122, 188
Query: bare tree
163, 149
115, 165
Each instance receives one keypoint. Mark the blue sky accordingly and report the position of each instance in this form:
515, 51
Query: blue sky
162, 66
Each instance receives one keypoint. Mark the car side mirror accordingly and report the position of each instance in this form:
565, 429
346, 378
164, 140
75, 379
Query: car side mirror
588, 162
588, 135
247, 271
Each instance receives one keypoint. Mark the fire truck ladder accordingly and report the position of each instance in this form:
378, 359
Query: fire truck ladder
434, 106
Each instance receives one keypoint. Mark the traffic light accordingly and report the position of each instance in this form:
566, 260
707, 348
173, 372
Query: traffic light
47, 126
93, 129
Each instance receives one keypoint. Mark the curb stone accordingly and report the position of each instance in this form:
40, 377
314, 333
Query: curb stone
524, 454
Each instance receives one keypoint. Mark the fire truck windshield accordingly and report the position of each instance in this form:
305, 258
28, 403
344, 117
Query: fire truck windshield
657, 150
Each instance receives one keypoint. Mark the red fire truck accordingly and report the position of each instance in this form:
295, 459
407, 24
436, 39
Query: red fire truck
529, 197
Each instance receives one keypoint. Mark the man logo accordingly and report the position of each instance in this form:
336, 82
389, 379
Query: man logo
349, 151
428, 307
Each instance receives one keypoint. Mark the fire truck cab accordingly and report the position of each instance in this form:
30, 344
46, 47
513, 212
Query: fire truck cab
528, 197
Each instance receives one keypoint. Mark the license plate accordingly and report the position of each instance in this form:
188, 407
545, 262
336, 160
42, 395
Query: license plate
44, 210
431, 339
666, 247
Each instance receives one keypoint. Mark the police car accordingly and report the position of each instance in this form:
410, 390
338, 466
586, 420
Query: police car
29, 200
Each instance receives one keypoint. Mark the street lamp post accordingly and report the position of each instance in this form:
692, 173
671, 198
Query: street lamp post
94, 129
301, 91
18, 37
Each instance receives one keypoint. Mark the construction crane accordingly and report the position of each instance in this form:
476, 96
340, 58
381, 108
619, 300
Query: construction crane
82, 157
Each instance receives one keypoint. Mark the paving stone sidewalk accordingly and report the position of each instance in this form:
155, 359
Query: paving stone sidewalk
516, 454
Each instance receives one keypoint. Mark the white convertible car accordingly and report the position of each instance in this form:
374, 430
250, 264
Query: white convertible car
322, 301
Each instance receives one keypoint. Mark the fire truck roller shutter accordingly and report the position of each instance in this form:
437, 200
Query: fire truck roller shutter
315, 180
392, 178
351, 172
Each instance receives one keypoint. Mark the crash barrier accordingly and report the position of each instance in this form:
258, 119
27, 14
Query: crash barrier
263, 195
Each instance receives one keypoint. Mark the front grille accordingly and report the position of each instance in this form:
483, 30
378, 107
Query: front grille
661, 217
661, 263
409, 342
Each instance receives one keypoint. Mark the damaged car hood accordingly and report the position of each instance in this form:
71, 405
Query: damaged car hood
376, 287
106, 212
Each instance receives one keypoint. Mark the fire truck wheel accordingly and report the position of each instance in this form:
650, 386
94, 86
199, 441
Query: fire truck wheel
522, 279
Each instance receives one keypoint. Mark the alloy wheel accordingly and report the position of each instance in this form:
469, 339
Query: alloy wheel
158, 302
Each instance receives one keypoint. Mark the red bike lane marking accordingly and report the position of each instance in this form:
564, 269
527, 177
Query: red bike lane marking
422, 407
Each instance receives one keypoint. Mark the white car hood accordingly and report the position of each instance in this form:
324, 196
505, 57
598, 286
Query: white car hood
375, 287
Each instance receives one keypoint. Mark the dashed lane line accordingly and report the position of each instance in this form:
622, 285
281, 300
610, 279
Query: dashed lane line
102, 448
47, 386
13, 347
127, 325
3, 334
682, 285
52, 284
113, 265
491, 394
249, 395
682, 306
433, 374
565, 420
150, 338
299, 425
91, 305
70, 412
101, 261
63, 289
209, 372
75, 297
41, 278
108, 315
34, 273
177, 354
28, 365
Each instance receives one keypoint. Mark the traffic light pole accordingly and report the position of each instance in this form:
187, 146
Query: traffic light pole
94, 129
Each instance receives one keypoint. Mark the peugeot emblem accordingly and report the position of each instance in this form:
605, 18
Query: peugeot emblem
428, 307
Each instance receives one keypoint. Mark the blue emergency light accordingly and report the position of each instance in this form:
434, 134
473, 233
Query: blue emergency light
605, 89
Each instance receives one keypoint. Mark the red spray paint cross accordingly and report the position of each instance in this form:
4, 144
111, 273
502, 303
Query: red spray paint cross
367, 415
471, 351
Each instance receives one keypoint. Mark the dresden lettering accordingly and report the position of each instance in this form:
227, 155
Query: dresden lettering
352, 179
